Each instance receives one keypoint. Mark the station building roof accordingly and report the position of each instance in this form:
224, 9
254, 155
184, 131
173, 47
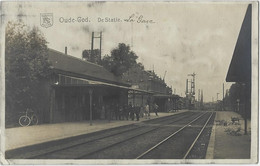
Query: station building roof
76, 67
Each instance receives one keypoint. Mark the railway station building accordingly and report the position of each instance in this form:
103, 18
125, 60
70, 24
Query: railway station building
79, 89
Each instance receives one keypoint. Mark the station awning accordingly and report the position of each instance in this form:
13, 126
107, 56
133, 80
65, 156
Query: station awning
240, 66
165, 96
76, 81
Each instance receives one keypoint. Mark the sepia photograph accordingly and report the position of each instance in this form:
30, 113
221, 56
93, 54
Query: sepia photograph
119, 83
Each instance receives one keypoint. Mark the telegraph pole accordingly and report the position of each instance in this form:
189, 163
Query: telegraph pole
223, 97
92, 45
201, 100
100, 44
132, 29
198, 95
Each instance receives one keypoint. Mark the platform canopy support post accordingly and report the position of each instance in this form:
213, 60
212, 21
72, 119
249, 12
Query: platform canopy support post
90, 105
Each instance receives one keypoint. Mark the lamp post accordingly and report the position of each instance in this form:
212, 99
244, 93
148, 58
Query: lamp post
238, 102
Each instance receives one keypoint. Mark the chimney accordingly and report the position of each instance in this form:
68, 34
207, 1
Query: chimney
66, 50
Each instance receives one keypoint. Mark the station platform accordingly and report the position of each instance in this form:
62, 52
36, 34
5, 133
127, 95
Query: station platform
24, 136
227, 139
222, 144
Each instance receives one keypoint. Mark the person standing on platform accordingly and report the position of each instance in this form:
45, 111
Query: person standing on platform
156, 107
103, 112
137, 112
131, 110
147, 111
142, 111
126, 111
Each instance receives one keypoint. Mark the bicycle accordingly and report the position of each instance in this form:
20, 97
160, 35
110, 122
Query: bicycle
28, 118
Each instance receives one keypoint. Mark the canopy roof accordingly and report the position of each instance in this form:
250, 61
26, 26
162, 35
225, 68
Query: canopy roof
240, 66
73, 66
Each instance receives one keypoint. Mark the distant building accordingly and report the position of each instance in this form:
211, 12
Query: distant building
154, 89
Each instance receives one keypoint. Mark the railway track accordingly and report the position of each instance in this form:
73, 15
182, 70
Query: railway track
90, 151
173, 140
172, 137
147, 131
131, 149
85, 149
44, 150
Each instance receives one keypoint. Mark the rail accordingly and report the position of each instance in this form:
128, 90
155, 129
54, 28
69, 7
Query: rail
167, 138
192, 145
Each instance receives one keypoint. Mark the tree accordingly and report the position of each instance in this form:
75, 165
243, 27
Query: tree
86, 55
141, 65
121, 59
26, 67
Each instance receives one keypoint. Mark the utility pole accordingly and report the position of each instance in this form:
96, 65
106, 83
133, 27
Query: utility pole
223, 97
199, 95
212, 102
217, 96
92, 46
201, 100
132, 29
100, 45
187, 82
164, 75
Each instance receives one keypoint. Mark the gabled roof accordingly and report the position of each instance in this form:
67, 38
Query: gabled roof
80, 68
240, 66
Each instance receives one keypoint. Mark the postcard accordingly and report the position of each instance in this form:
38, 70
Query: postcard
152, 82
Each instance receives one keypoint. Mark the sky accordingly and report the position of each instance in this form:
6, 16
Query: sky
181, 37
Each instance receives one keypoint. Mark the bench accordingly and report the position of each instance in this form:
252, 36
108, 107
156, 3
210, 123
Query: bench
234, 119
